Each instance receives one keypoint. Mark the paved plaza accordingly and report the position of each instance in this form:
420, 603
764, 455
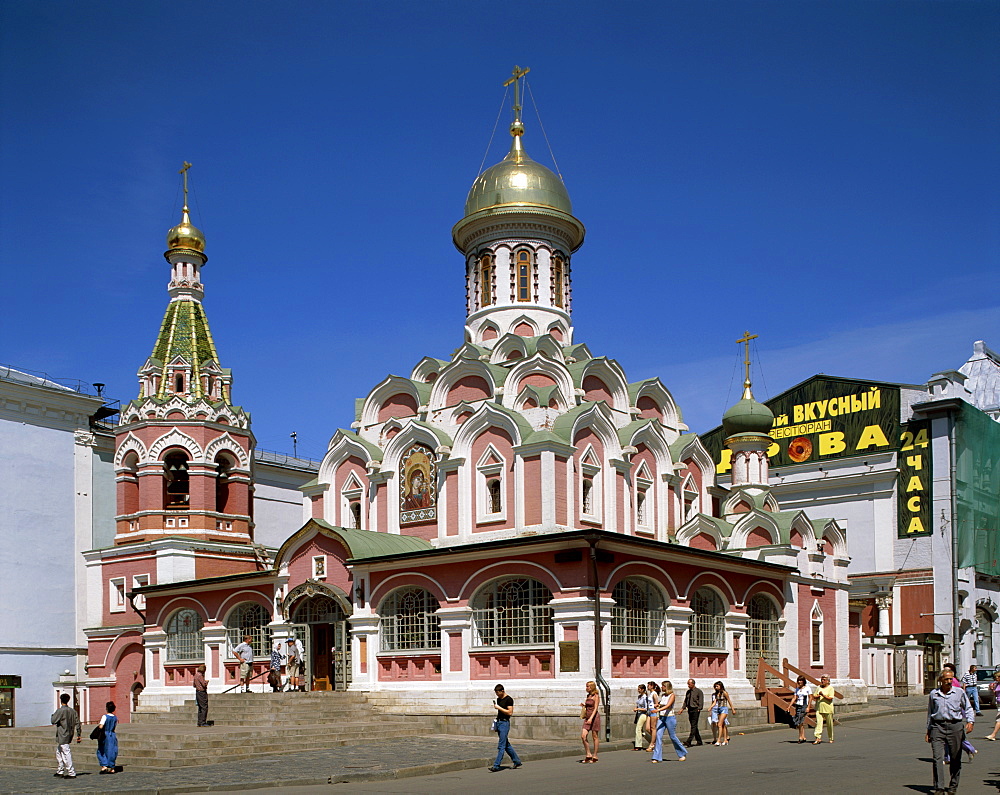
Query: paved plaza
877, 754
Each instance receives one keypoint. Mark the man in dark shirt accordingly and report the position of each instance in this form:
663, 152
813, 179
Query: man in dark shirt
694, 703
505, 708
201, 695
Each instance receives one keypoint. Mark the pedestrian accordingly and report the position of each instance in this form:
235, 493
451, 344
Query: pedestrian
801, 695
949, 718
694, 703
107, 742
949, 669
244, 653
641, 710
722, 706
652, 715
995, 687
591, 722
66, 722
823, 697
294, 664
505, 708
667, 722
201, 694
970, 682
274, 675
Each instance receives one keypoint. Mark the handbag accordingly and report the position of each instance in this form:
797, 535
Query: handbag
97, 733
583, 713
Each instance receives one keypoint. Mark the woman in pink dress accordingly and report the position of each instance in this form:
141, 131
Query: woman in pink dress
591, 722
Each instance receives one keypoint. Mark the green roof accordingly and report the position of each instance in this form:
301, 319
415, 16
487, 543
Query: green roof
370, 544
184, 333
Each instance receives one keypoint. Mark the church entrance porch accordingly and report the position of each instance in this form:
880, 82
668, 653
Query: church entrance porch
322, 623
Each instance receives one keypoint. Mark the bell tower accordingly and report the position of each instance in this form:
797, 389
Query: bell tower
518, 235
183, 450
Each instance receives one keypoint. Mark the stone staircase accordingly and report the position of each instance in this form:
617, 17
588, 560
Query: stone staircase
246, 725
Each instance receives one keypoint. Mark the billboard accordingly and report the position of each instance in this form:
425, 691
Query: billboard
822, 418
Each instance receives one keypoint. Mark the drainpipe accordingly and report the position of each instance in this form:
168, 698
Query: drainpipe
956, 628
602, 685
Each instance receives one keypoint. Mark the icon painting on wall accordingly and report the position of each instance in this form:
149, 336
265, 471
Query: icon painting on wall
417, 486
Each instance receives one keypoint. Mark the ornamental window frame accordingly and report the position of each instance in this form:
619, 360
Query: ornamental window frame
116, 595
643, 505
409, 621
491, 469
486, 290
816, 634
248, 618
590, 489
350, 495
184, 644
708, 620
524, 275
638, 617
558, 281
512, 611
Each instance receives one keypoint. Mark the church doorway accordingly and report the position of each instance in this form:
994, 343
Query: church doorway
327, 642
763, 631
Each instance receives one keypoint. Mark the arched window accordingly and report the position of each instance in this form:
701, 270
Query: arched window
816, 635
355, 511
177, 489
512, 612
640, 508
638, 615
485, 280
222, 466
409, 621
523, 275
708, 622
762, 634
184, 640
984, 638
558, 281
249, 618
493, 491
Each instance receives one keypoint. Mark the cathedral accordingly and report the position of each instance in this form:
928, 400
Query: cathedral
519, 512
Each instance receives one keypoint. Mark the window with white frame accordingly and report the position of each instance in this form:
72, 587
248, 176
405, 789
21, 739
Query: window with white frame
319, 567
408, 621
590, 489
184, 640
490, 486
816, 635
643, 507
708, 620
140, 581
512, 612
116, 594
638, 616
351, 503
249, 618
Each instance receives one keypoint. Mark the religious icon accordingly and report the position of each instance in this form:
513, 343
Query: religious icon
417, 485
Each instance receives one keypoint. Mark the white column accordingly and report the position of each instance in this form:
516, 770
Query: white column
455, 620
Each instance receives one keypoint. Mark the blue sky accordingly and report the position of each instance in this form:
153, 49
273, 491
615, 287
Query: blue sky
826, 174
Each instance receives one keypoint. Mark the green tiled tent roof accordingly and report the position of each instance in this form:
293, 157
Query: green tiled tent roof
361, 543
184, 333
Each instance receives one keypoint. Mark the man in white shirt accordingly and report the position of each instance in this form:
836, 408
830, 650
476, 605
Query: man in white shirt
970, 683
949, 719
244, 653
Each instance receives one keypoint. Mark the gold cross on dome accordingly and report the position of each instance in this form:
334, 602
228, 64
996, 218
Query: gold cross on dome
184, 171
745, 340
515, 78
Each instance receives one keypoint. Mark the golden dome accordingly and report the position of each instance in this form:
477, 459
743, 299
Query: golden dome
517, 180
186, 234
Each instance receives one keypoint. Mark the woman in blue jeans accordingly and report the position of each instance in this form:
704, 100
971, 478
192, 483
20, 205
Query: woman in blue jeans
667, 722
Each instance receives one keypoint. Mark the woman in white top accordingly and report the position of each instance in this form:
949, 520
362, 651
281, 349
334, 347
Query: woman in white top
652, 713
801, 696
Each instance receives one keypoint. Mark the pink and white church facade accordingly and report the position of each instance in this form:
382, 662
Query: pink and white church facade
520, 512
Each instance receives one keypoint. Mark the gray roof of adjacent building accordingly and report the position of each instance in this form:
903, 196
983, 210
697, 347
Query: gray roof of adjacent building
982, 372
